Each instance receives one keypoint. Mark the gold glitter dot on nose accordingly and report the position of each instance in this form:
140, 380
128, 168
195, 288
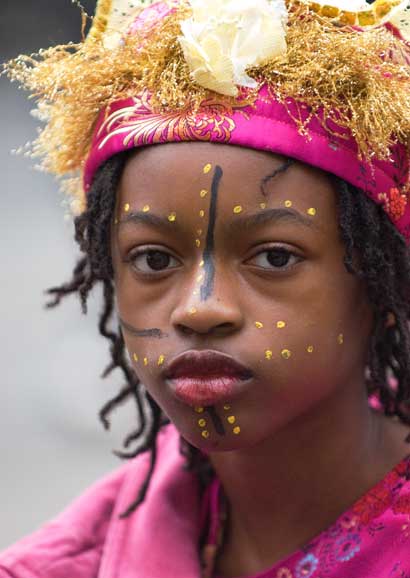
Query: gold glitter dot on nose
268, 354
135, 357
236, 430
202, 263
238, 209
126, 207
199, 409
288, 204
311, 212
202, 213
286, 354
195, 292
205, 434
172, 217
263, 205
145, 360
146, 208
193, 310
341, 339
310, 349
161, 360
207, 168
280, 324
202, 422
200, 278
199, 232
203, 193
231, 419
227, 407
258, 324
198, 242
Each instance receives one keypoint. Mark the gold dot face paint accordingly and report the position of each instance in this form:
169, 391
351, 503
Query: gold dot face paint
281, 324
135, 357
286, 354
199, 409
258, 325
288, 204
238, 209
312, 212
146, 209
310, 349
127, 207
268, 354
161, 360
340, 339
203, 193
207, 168
172, 217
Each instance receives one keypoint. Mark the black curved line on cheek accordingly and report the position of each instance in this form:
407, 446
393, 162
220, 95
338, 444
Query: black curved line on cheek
208, 254
156, 333
216, 420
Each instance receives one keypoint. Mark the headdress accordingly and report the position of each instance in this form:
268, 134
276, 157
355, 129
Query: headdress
327, 84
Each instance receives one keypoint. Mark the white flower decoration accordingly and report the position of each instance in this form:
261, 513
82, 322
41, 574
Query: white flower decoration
224, 37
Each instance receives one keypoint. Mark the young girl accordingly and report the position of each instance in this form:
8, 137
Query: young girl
256, 262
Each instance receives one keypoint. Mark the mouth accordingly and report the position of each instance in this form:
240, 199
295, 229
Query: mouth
204, 378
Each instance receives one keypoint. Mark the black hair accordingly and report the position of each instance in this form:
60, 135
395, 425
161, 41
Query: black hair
375, 252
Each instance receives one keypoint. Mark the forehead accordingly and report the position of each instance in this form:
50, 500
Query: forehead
172, 176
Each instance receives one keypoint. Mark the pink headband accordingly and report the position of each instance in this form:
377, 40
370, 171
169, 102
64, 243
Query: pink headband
267, 125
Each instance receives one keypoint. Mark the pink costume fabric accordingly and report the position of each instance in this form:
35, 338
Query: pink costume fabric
268, 125
160, 540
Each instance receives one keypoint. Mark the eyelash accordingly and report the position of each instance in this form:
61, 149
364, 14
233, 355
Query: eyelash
278, 250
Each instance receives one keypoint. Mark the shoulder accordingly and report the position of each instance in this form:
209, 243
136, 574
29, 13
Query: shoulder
72, 543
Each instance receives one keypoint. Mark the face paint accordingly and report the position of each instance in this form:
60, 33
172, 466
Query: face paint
207, 168
231, 419
208, 256
286, 354
280, 324
146, 209
156, 333
281, 169
288, 204
172, 217
341, 339
311, 212
258, 325
238, 209
268, 354
216, 420
310, 349
126, 207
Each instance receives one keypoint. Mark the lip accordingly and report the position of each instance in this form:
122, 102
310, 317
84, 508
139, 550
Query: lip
204, 378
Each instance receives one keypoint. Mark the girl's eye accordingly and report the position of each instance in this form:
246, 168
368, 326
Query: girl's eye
279, 258
152, 261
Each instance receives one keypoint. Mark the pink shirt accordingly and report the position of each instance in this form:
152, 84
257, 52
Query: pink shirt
160, 540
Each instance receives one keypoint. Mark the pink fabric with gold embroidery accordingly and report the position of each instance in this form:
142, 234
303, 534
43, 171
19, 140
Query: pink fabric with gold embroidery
266, 126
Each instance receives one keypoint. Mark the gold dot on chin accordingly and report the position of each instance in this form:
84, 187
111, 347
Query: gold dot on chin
258, 325
311, 212
202, 422
236, 430
341, 339
280, 324
310, 349
231, 419
268, 354
199, 409
288, 204
205, 434
286, 354
126, 207
227, 407
172, 217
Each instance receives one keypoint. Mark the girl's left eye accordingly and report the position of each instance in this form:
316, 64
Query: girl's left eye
278, 259
152, 261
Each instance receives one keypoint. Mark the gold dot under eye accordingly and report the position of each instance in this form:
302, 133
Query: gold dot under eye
268, 354
146, 208
202, 422
126, 207
205, 434
161, 360
203, 193
145, 360
135, 357
288, 204
310, 349
172, 217
311, 212
286, 354
258, 324
238, 209
231, 419
198, 242
207, 168
202, 213
280, 324
227, 407
341, 339
263, 205
193, 310
199, 410
236, 430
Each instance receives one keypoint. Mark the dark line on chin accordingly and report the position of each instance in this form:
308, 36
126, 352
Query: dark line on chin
156, 333
216, 420
208, 255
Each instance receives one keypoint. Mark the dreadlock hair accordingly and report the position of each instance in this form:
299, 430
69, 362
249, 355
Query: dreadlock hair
374, 251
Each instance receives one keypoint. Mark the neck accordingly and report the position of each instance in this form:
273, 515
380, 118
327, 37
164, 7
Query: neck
300, 480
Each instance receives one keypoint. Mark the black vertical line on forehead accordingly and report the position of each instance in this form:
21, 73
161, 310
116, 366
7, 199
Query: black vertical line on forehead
216, 420
208, 254
279, 170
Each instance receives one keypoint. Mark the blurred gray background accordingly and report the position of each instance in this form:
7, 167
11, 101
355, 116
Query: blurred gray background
52, 445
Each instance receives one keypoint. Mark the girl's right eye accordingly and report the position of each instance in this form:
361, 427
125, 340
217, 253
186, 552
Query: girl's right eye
151, 261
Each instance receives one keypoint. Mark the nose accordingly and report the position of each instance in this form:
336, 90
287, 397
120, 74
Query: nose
219, 314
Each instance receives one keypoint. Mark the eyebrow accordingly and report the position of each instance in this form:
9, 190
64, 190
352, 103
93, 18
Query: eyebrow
271, 216
147, 219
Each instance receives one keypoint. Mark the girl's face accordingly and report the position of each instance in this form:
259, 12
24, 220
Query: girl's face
237, 310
